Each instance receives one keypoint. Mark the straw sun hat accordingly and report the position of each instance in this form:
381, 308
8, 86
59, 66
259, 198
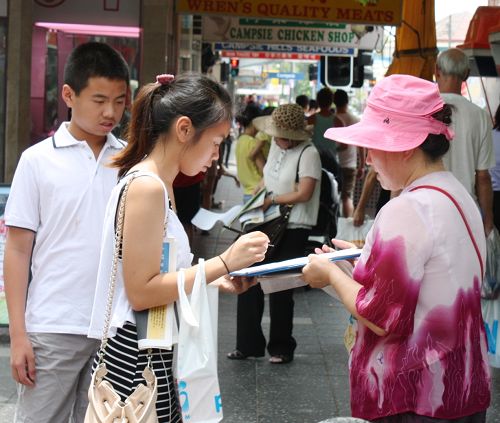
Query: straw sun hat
286, 121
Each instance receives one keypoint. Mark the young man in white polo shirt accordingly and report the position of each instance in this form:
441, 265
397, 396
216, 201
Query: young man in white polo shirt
54, 214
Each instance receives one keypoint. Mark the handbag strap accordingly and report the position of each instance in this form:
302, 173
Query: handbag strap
298, 162
117, 251
462, 214
114, 267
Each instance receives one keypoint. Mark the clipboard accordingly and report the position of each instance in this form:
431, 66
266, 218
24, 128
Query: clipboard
296, 263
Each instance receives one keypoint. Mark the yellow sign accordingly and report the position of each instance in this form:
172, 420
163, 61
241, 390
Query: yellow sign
381, 12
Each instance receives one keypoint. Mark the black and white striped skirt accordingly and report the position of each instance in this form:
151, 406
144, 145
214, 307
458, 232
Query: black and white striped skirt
125, 364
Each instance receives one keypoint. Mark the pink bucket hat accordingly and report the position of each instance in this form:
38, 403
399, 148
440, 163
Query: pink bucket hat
397, 116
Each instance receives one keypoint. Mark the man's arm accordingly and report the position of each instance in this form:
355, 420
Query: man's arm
366, 192
257, 156
484, 193
17, 257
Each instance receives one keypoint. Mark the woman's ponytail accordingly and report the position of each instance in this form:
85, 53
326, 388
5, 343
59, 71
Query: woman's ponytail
140, 136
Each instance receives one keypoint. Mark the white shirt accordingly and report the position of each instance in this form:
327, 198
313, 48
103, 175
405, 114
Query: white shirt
495, 170
348, 155
472, 148
279, 177
122, 311
60, 191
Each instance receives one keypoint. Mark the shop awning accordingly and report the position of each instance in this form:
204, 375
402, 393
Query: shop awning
477, 45
416, 50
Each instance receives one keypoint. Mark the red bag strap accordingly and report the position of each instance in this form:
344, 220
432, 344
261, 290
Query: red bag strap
442, 191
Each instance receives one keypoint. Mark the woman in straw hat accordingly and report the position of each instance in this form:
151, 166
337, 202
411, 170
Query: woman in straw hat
291, 176
420, 354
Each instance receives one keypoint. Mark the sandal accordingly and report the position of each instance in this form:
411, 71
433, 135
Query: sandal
236, 355
281, 359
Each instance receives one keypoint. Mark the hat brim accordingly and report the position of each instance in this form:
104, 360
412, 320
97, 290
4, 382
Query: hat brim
364, 134
266, 125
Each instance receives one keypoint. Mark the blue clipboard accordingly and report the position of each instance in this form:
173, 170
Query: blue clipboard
296, 263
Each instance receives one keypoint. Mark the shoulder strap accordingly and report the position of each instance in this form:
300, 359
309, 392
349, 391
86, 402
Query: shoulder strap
114, 269
455, 202
298, 163
155, 176
138, 173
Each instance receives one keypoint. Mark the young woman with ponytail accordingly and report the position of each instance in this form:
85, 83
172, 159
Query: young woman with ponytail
177, 125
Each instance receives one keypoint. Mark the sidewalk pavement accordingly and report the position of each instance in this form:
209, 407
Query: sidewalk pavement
314, 387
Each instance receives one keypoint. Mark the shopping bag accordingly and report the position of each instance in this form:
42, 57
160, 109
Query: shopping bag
197, 381
491, 316
355, 234
490, 288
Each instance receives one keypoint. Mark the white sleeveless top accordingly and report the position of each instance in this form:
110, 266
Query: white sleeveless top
121, 310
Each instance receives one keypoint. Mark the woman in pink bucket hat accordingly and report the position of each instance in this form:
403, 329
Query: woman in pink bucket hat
420, 351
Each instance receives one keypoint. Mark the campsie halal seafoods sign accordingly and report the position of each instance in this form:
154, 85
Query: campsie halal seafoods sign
381, 12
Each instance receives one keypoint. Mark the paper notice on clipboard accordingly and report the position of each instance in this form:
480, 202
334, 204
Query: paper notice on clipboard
206, 219
296, 263
283, 281
157, 326
280, 276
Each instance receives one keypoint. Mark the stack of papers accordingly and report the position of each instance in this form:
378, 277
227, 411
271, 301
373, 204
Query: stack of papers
248, 214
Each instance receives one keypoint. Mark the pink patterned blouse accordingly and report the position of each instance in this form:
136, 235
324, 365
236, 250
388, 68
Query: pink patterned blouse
421, 284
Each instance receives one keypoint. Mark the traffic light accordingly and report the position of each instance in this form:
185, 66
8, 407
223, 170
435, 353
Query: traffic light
208, 58
224, 72
336, 71
364, 58
346, 71
313, 72
235, 67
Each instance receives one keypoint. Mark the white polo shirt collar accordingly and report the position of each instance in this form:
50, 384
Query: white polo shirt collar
63, 138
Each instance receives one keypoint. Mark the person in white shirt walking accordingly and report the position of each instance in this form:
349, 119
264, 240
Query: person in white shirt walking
54, 216
471, 154
350, 165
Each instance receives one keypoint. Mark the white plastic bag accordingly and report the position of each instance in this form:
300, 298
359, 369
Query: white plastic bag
197, 379
491, 316
355, 234
490, 288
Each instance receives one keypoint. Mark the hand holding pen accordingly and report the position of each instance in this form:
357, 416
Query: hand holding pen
229, 228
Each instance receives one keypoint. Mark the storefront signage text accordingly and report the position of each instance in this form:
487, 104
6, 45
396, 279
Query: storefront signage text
384, 12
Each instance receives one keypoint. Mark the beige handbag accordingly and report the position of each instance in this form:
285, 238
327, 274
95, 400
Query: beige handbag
105, 405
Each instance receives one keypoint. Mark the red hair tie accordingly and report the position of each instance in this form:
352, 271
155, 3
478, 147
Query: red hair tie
164, 78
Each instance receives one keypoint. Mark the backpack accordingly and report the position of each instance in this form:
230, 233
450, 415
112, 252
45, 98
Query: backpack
329, 205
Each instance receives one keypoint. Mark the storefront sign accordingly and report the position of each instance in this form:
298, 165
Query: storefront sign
243, 30
382, 12
284, 75
286, 48
268, 55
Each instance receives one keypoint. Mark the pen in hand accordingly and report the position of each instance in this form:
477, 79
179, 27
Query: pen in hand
241, 233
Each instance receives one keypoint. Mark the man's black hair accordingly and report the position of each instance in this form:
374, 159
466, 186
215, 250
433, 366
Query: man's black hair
91, 60
302, 100
340, 98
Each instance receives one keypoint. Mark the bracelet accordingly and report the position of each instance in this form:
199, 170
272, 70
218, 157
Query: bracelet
273, 200
224, 263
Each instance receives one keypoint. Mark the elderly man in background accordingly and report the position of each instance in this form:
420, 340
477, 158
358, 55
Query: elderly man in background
471, 152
